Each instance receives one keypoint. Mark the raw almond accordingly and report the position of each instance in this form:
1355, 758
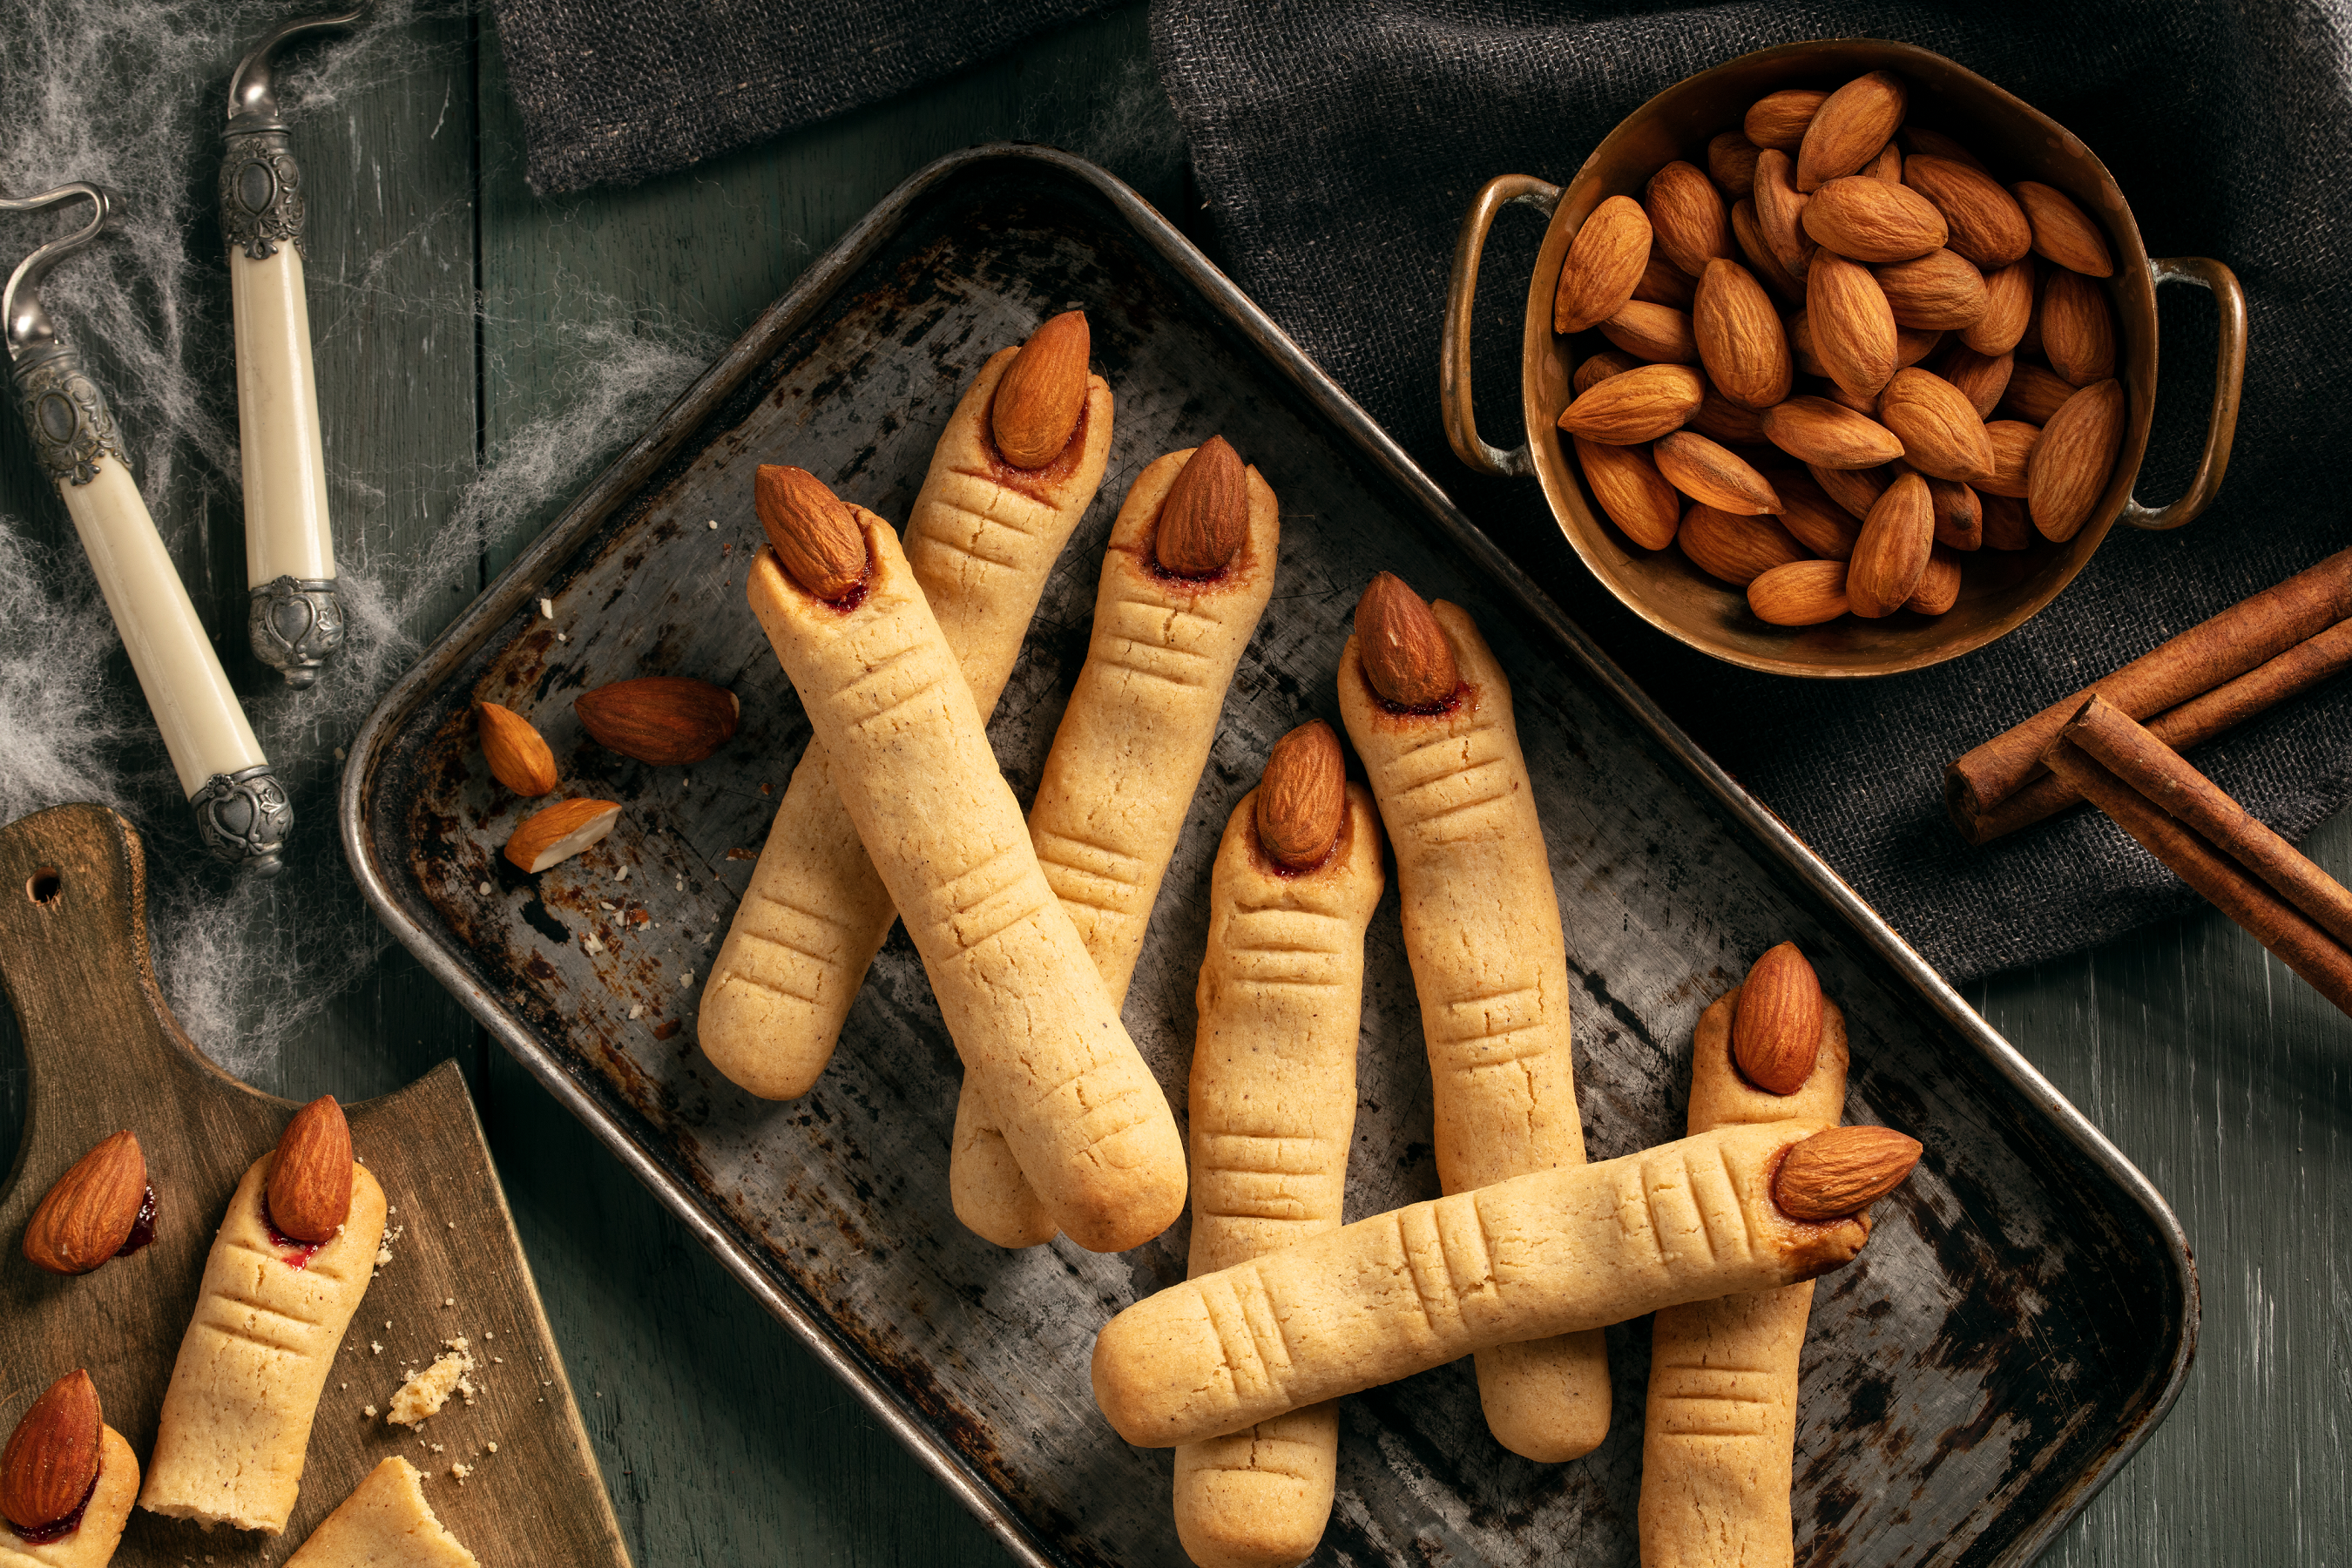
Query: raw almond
1404, 650
1842, 1171
86, 1213
1302, 801
2006, 524
1760, 259
1935, 292
2034, 393
1888, 165
1631, 491
1936, 144
1637, 405
1779, 212
1731, 164
815, 534
1687, 212
517, 753
556, 833
1891, 555
1779, 120
1707, 472
1036, 406
2013, 441
1854, 491
1661, 284
310, 1178
1849, 128
1941, 433
1205, 516
2078, 329
1738, 550
1853, 326
2009, 307
1720, 419
1604, 262
1739, 336
1801, 346
1982, 378
1815, 520
1987, 224
1599, 367
1864, 219
1832, 392
1776, 1023
1913, 344
51, 1460
2063, 231
2070, 464
1960, 516
1802, 594
1657, 333
1939, 585
666, 721
1815, 431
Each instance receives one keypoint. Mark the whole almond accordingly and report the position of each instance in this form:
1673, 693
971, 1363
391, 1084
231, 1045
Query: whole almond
2034, 394
1638, 406
2029, 343
1831, 392
1842, 1171
1605, 261
1779, 120
1731, 164
86, 1213
666, 721
51, 1460
1941, 433
1800, 594
2009, 307
1739, 336
1935, 292
1864, 219
1630, 489
1781, 213
1662, 284
1800, 349
1688, 215
1815, 520
1776, 1023
1891, 555
2069, 468
1936, 144
517, 753
1738, 550
2064, 231
1913, 344
1720, 419
1887, 167
1815, 431
2013, 441
2006, 524
1852, 324
310, 1180
1987, 224
556, 833
1854, 491
1404, 650
1939, 585
815, 534
1707, 472
2078, 329
1982, 378
1849, 129
1779, 279
1302, 801
1960, 516
1659, 334
1205, 517
1036, 406
1599, 367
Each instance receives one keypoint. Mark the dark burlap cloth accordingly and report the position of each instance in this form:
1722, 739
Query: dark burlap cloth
615, 90
1337, 145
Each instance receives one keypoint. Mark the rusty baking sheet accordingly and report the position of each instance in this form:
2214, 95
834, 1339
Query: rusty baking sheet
2021, 1321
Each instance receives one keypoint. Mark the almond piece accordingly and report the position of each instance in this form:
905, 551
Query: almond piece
1935, 292
1661, 284
1731, 164
2034, 393
1739, 336
1638, 406
517, 753
1779, 120
1605, 261
666, 721
86, 1213
2063, 231
1939, 585
1760, 259
1205, 516
1631, 491
1404, 652
1864, 219
1815, 520
1959, 515
1853, 326
1738, 550
1982, 378
310, 1180
2070, 464
1941, 433
1854, 491
1826, 435
1659, 334
2013, 441
2006, 524
1599, 367
1036, 406
1781, 213
1775, 1022
1891, 555
1849, 129
1710, 473
1302, 801
2078, 329
1936, 144
1842, 1171
1720, 419
51, 1460
558, 832
816, 536
1987, 224
1802, 594
1688, 215
2009, 307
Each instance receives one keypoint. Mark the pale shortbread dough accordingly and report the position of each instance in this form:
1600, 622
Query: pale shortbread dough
92, 1543
384, 1523
236, 1417
1120, 775
1038, 1034
1490, 965
981, 544
1273, 1109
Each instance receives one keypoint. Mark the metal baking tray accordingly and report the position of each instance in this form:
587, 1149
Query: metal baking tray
2022, 1319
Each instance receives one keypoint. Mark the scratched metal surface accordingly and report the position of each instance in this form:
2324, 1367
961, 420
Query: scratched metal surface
2021, 1319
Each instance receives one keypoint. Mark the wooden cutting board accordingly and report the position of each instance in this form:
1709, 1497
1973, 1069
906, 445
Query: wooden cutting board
106, 1053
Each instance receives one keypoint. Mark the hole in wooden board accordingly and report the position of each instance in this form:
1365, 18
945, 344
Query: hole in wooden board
43, 886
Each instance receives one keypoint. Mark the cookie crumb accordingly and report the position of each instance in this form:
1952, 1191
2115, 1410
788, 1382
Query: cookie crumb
423, 1394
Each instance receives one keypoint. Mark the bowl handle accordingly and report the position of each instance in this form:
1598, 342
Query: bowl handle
1453, 346
2229, 373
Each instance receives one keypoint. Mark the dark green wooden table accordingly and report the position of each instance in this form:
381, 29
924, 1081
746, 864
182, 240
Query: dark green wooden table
2223, 1076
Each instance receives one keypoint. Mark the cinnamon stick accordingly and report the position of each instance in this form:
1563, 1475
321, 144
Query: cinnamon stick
2247, 635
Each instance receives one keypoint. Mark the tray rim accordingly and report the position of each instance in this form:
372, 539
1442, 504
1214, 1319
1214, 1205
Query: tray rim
801, 302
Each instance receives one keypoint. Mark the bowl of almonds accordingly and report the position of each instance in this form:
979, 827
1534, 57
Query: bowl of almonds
1838, 360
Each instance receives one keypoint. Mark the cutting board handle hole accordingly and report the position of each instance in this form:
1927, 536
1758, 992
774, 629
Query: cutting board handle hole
43, 886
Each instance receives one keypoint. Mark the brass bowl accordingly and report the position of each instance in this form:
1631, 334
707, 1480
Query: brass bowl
2000, 589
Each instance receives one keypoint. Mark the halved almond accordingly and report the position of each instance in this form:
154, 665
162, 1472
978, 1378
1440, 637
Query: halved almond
556, 833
